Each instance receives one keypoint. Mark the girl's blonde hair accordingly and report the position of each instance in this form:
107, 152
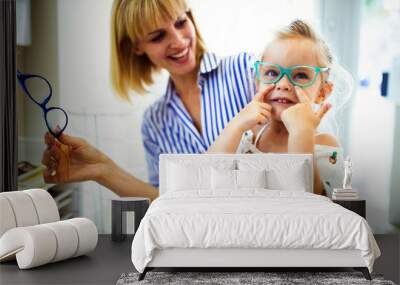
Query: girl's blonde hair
299, 29
130, 21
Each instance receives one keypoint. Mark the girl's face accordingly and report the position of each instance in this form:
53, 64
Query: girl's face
172, 46
289, 53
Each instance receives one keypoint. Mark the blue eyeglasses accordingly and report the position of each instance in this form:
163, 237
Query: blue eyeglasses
299, 75
39, 90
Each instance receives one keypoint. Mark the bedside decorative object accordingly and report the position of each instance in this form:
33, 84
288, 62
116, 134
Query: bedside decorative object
348, 172
346, 192
357, 206
120, 206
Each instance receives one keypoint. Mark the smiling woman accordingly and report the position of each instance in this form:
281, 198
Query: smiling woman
204, 93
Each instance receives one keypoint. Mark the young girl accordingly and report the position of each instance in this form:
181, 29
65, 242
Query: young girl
292, 75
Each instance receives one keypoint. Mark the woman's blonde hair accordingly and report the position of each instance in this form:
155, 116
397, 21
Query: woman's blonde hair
299, 29
130, 21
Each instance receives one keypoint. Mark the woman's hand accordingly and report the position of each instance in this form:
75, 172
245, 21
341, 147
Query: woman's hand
301, 117
256, 112
72, 159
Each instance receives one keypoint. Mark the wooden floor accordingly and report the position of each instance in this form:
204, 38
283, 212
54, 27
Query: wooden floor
110, 260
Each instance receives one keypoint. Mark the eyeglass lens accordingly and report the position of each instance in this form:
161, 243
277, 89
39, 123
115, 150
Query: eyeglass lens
270, 73
56, 120
38, 88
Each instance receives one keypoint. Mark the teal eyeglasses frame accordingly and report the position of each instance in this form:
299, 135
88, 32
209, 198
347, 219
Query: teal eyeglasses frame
288, 72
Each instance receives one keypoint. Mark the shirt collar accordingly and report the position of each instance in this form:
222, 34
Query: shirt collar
170, 90
209, 62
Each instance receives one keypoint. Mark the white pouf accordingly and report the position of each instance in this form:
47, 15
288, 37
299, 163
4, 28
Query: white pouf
7, 218
31, 231
46, 207
23, 208
40, 244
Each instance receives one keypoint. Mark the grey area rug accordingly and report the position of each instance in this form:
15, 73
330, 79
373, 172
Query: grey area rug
230, 278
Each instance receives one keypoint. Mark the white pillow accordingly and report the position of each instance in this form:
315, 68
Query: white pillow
183, 177
228, 179
185, 173
223, 179
282, 174
251, 178
293, 179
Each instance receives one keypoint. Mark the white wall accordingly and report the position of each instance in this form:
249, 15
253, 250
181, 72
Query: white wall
370, 135
368, 123
371, 149
394, 96
232, 26
373, 146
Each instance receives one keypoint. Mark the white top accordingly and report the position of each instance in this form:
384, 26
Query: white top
331, 172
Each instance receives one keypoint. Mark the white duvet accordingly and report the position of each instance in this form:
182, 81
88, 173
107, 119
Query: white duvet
254, 218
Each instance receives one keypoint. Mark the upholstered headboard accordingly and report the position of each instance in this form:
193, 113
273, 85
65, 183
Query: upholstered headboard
277, 162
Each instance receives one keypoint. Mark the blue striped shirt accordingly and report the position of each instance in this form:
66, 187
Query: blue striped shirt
227, 85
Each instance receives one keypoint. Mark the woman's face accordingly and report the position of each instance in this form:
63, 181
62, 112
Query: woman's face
289, 53
171, 46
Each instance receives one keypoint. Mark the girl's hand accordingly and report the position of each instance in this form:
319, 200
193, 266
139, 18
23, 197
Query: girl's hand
301, 116
256, 112
72, 159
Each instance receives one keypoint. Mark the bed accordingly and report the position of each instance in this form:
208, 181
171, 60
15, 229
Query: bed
246, 211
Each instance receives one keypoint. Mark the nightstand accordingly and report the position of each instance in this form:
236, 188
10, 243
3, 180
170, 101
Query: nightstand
120, 206
357, 206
